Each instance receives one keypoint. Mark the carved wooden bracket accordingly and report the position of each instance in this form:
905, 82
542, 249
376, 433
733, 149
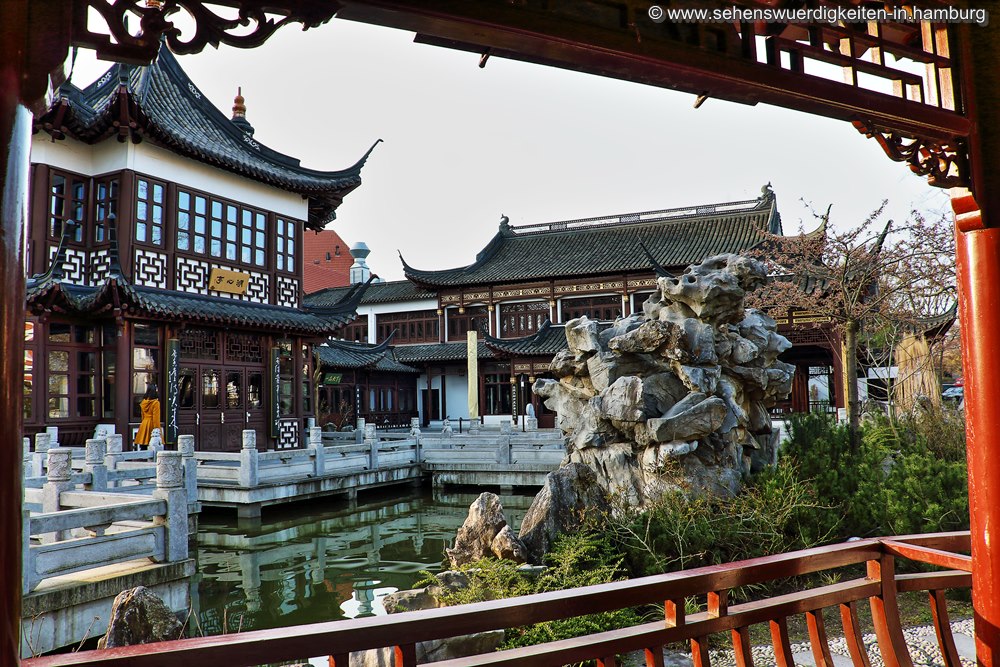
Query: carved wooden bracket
944, 163
246, 24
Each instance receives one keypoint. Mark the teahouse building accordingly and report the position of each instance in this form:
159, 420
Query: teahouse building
530, 280
166, 251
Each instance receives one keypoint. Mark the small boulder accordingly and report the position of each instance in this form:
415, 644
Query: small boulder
139, 616
475, 538
572, 495
689, 419
507, 546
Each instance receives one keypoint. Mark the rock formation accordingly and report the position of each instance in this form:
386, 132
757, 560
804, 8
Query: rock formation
139, 616
677, 396
485, 534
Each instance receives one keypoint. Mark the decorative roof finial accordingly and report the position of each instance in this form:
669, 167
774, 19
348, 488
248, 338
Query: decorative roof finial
766, 191
504, 223
240, 113
239, 106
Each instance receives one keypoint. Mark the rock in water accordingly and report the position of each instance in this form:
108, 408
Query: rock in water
475, 538
572, 495
139, 616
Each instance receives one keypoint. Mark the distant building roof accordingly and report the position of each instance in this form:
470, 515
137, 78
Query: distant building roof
428, 352
397, 290
675, 238
547, 341
345, 355
326, 261
161, 103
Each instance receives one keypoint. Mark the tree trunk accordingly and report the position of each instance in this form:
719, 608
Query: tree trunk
849, 355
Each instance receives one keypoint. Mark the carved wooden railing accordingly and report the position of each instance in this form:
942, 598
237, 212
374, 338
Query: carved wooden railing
710, 586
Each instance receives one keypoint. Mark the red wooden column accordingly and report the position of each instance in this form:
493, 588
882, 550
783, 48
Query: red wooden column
978, 260
15, 137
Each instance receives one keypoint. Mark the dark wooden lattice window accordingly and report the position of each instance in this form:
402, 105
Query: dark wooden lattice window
497, 389
200, 344
356, 330
416, 327
286, 242
192, 224
105, 205
68, 194
522, 319
475, 318
244, 347
253, 233
595, 307
150, 196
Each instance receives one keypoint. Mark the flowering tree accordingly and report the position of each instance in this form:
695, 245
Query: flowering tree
876, 282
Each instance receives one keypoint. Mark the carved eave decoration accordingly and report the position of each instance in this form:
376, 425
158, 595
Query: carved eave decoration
214, 24
945, 163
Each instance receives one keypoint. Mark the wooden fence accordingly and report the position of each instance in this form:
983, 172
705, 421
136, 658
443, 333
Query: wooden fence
709, 586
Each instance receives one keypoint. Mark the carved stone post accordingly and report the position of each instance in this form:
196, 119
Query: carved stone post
248, 459
59, 479
113, 455
26, 456
531, 423
503, 446
446, 430
170, 487
185, 445
414, 427
41, 454
155, 442
318, 450
371, 439
94, 464
53, 432
359, 432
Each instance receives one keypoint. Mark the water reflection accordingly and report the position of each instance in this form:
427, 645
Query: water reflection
320, 562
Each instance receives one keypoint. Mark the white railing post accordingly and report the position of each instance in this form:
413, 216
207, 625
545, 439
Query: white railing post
503, 443
170, 487
155, 441
28, 577
416, 435
113, 454
26, 458
318, 450
59, 479
531, 423
248, 459
371, 439
185, 445
359, 432
53, 432
94, 464
41, 454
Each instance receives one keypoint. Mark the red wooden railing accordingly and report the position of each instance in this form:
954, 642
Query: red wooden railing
708, 585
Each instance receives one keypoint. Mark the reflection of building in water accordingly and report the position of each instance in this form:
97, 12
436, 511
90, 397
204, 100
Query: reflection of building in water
189, 235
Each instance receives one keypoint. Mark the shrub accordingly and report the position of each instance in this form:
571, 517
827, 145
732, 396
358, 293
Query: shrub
580, 559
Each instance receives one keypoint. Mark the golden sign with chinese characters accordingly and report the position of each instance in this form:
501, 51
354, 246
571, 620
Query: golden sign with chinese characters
231, 282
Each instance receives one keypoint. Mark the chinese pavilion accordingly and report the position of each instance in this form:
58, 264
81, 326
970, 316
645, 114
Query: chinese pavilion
166, 252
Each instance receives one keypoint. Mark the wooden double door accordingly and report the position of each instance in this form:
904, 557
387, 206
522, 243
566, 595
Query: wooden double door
218, 401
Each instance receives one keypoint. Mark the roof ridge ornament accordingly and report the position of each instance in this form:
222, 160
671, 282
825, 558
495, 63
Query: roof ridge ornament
240, 114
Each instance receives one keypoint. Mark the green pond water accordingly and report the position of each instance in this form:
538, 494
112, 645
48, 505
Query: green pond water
322, 561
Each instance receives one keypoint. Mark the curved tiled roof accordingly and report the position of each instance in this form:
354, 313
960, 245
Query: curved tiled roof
338, 354
168, 304
675, 238
165, 106
397, 290
547, 341
427, 352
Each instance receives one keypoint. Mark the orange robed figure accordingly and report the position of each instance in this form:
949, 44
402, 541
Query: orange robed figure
149, 408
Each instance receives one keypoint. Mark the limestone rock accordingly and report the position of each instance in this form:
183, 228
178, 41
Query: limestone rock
623, 401
695, 419
507, 546
139, 616
572, 495
475, 538
581, 336
411, 600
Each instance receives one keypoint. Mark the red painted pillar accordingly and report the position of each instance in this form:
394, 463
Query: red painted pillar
15, 138
978, 259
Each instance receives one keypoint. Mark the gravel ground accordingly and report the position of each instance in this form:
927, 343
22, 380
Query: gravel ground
921, 640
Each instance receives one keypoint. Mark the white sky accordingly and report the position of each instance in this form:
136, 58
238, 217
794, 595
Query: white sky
464, 145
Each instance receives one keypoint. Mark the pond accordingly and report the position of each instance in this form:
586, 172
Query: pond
322, 561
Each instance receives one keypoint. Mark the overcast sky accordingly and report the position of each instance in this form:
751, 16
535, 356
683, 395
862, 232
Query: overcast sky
464, 145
